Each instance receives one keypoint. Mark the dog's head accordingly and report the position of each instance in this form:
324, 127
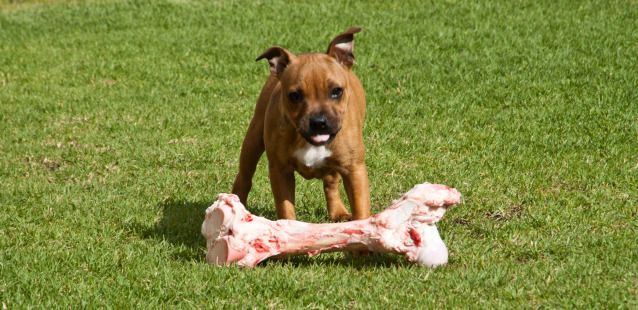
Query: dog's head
315, 87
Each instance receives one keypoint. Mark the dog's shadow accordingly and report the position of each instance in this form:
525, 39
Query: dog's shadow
180, 226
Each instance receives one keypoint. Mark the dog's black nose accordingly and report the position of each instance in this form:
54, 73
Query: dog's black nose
318, 122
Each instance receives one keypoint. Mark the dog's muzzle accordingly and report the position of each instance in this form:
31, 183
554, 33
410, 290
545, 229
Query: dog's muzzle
320, 130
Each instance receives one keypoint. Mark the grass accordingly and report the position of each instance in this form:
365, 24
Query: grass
121, 121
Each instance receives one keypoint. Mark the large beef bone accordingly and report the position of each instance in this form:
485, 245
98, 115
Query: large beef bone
407, 227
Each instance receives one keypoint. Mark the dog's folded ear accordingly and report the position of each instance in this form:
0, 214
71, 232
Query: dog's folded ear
278, 59
342, 47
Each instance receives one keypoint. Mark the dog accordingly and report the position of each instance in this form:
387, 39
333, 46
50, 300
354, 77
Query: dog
309, 118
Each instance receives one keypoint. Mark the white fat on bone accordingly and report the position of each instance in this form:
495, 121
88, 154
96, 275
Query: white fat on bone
407, 227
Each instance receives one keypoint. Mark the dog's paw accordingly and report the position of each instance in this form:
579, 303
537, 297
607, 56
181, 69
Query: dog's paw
340, 217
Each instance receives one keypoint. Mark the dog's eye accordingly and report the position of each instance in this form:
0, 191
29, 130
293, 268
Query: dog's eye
336, 93
295, 96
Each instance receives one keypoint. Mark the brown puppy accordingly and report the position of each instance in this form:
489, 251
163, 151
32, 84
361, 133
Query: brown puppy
309, 118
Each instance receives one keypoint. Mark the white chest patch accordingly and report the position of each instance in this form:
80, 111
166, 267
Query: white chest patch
312, 156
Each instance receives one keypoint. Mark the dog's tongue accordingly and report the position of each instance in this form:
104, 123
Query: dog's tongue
320, 138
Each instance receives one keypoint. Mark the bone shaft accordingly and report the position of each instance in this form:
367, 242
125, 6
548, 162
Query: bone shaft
304, 238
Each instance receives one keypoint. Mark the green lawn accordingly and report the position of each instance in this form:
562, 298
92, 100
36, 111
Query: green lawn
121, 121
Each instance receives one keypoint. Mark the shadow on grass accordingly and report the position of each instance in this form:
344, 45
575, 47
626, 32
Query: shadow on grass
344, 259
180, 226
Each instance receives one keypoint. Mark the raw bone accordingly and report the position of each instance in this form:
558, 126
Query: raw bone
407, 227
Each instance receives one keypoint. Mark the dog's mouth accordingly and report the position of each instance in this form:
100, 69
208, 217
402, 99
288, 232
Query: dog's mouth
319, 129
319, 139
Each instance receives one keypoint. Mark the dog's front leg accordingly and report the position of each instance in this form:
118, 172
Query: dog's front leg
336, 210
356, 184
282, 182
